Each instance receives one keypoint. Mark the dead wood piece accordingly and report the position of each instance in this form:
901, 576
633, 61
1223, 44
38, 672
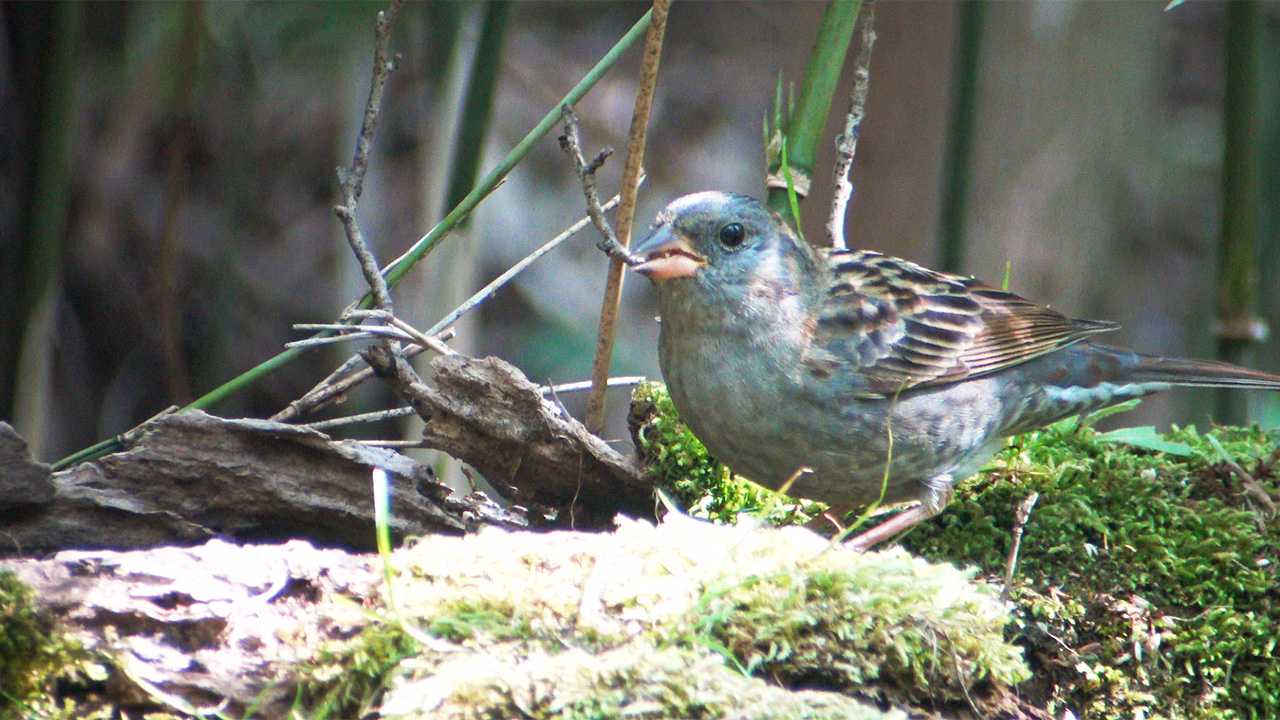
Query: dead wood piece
485, 412
191, 476
208, 624
23, 481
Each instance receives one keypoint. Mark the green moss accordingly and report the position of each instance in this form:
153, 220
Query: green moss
33, 657
682, 466
1146, 583
344, 678
687, 619
916, 631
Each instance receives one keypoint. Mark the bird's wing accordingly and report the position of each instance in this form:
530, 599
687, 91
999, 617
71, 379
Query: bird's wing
902, 326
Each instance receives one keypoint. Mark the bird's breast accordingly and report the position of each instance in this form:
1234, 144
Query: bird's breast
746, 393
756, 405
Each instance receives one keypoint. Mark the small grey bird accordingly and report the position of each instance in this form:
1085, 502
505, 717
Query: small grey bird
781, 356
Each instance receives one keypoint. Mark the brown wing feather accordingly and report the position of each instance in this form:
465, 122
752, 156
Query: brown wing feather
904, 326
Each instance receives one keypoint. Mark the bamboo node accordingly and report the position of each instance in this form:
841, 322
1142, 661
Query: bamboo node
799, 179
1244, 329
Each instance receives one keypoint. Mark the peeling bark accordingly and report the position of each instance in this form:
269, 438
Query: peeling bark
485, 412
188, 477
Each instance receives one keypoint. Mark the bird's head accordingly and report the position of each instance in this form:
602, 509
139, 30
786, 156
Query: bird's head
718, 240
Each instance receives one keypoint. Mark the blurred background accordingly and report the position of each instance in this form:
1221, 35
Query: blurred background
167, 178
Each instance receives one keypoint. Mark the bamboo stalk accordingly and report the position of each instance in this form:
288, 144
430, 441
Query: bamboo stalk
1238, 326
44, 257
804, 126
955, 173
477, 108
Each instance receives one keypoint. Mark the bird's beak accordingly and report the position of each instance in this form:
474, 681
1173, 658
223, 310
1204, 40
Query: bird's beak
667, 255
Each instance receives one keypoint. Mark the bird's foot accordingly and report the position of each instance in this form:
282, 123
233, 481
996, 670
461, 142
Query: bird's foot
888, 529
937, 494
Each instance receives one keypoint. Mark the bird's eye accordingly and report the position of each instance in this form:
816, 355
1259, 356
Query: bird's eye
732, 235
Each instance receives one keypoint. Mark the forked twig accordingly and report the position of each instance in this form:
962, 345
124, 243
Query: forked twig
333, 387
352, 179
571, 143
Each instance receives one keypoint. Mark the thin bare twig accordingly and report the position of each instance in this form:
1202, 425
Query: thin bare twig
369, 417
586, 384
349, 332
395, 329
414, 333
626, 211
383, 64
380, 415
392, 443
1020, 518
488, 291
368, 264
847, 142
341, 337
315, 397
332, 389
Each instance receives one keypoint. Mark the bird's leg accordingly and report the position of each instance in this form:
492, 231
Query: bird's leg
937, 493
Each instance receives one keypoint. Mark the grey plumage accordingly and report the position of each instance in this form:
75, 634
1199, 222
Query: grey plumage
780, 356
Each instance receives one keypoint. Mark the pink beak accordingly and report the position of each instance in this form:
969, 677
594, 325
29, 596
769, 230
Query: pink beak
667, 255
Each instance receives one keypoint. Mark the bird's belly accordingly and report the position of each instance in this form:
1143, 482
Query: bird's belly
767, 424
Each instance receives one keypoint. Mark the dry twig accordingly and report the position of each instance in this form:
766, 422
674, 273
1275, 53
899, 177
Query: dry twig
488, 291
333, 387
626, 211
847, 142
1020, 518
369, 417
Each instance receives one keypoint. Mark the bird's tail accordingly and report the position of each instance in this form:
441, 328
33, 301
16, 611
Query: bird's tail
1199, 373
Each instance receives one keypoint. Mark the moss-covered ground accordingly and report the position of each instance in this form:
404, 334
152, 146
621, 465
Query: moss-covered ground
1146, 584
1145, 587
35, 658
686, 619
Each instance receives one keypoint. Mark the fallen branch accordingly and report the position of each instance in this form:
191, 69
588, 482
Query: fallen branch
486, 413
188, 477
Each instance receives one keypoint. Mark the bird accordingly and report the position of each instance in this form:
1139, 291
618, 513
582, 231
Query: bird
853, 377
